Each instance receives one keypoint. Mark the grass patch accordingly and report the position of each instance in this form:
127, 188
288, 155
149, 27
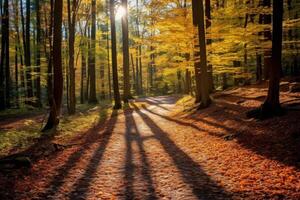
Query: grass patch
16, 139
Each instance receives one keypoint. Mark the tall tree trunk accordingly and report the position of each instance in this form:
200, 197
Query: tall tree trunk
56, 101
2, 75
72, 21
92, 57
83, 77
133, 72
4, 63
267, 19
38, 55
272, 103
198, 17
126, 75
27, 55
209, 42
108, 51
117, 97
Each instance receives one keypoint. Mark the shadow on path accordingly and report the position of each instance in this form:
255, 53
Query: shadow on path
132, 134
91, 137
201, 184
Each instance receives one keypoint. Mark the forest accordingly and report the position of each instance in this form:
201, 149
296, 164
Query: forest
150, 99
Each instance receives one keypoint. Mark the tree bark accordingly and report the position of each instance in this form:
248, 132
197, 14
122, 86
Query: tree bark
38, 55
117, 97
201, 67
272, 103
126, 75
92, 57
72, 9
55, 102
27, 55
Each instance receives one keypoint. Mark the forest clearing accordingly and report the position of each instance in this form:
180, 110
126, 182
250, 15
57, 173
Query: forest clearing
149, 99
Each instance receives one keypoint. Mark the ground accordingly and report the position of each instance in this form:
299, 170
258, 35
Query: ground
153, 150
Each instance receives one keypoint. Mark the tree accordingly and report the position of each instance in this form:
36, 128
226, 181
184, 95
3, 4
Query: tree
55, 102
117, 97
27, 53
201, 66
38, 55
126, 75
72, 12
92, 58
272, 103
4, 62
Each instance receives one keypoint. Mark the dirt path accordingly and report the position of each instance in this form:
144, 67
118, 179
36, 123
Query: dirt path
146, 154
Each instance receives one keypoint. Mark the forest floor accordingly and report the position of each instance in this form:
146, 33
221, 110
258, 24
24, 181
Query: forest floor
158, 148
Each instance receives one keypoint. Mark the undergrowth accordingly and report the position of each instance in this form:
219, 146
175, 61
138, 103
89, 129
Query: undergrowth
18, 138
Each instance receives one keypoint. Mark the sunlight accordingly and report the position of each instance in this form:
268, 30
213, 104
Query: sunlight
120, 12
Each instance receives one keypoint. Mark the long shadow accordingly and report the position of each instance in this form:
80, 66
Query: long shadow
92, 136
131, 135
156, 104
83, 183
201, 184
272, 142
182, 123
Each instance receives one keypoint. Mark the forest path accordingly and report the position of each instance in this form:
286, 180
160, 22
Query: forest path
144, 153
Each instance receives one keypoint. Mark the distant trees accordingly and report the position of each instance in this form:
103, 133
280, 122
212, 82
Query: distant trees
228, 43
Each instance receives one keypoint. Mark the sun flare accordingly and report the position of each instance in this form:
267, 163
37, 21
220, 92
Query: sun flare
120, 12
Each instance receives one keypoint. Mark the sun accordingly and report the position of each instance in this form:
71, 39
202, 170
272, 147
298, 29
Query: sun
120, 12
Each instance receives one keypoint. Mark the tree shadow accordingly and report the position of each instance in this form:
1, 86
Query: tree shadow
276, 139
201, 184
132, 134
92, 136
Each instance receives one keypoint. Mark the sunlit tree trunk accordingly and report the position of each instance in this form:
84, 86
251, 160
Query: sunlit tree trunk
201, 67
126, 75
117, 97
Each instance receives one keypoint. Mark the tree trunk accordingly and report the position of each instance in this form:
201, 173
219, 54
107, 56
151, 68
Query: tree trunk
108, 51
72, 21
4, 63
209, 42
55, 102
92, 57
83, 77
117, 97
27, 55
133, 72
272, 103
201, 67
38, 55
267, 19
126, 75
